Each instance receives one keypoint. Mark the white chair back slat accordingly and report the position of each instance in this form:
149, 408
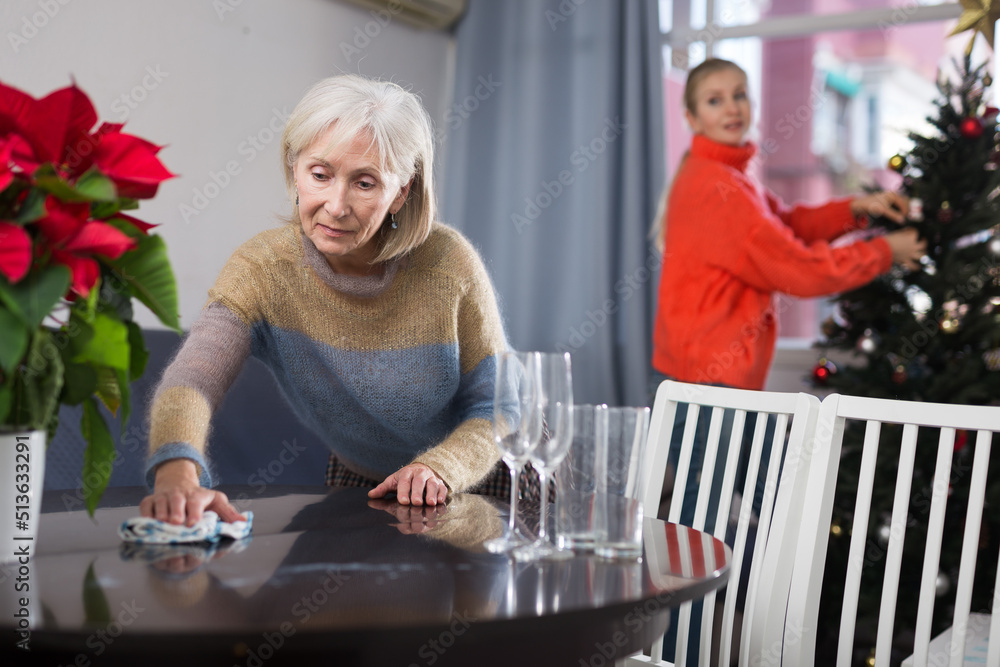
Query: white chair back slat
729, 410
859, 543
970, 545
894, 554
683, 462
809, 555
740, 543
932, 550
707, 478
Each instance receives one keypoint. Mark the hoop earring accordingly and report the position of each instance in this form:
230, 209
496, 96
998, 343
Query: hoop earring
392, 218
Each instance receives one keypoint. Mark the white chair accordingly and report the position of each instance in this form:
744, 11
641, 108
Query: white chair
777, 520
809, 558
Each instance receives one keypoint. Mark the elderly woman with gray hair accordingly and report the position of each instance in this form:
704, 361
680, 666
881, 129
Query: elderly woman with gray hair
380, 324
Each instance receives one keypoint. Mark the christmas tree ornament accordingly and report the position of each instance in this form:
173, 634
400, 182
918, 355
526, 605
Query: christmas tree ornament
980, 17
987, 81
949, 325
944, 212
897, 163
942, 584
868, 342
828, 328
899, 374
993, 245
971, 128
823, 370
992, 359
835, 528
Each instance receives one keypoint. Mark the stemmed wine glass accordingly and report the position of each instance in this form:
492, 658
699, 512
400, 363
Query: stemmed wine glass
517, 428
555, 401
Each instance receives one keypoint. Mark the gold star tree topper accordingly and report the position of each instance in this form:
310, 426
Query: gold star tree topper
980, 17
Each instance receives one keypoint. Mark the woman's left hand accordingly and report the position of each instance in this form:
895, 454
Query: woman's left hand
416, 484
890, 205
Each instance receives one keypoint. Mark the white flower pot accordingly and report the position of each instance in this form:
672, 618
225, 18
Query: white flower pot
22, 471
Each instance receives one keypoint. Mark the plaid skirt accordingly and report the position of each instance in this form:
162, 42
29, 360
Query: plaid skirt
496, 483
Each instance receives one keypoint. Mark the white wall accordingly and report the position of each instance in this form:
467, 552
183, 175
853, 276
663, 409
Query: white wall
211, 80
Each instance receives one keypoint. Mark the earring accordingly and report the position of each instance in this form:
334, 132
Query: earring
392, 218
296, 192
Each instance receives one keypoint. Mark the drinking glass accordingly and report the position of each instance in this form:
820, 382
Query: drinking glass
517, 427
555, 401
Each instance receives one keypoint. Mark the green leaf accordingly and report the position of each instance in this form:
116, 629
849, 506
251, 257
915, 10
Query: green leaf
140, 355
80, 382
99, 456
48, 180
147, 270
38, 384
6, 399
15, 340
33, 207
36, 295
95, 603
96, 186
107, 388
109, 344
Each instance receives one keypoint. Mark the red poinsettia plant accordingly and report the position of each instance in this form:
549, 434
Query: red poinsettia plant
71, 261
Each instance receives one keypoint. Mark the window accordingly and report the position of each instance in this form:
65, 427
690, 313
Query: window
838, 84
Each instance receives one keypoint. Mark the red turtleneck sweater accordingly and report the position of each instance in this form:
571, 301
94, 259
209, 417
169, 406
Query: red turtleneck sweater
729, 246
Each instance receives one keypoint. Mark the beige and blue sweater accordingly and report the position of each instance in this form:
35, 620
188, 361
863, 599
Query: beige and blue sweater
388, 370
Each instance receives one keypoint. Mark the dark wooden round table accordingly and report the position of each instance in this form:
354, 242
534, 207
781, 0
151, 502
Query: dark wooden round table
330, 577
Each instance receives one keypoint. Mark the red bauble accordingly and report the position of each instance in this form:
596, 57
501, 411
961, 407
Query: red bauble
822, 372
971, 128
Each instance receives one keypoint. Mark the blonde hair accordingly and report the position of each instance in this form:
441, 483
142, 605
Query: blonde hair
658, 229
400, 132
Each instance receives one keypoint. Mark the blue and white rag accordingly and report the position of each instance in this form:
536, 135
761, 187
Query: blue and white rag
145, 530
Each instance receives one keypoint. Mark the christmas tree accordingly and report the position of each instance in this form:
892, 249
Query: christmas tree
926, 335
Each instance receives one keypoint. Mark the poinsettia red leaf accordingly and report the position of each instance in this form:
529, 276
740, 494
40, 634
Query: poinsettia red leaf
131, 163
15, 251
106, 128
62, 220
17, 113
70, 116
143, 227
22, 154
6, 175
100, 238
84, 270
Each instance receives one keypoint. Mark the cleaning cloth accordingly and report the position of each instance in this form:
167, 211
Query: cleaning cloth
145, 530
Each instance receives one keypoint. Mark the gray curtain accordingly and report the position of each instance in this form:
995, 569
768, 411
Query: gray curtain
553, 155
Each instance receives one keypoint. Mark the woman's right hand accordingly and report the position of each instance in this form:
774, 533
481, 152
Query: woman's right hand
907, 247
178, 497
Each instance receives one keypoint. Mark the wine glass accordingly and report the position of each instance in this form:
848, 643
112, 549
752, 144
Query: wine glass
555, 401
517, 428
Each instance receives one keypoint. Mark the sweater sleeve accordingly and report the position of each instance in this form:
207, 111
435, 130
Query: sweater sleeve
468, 453
772, 259
825, 222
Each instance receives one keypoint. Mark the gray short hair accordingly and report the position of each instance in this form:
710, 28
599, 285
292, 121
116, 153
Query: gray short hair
400, 132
